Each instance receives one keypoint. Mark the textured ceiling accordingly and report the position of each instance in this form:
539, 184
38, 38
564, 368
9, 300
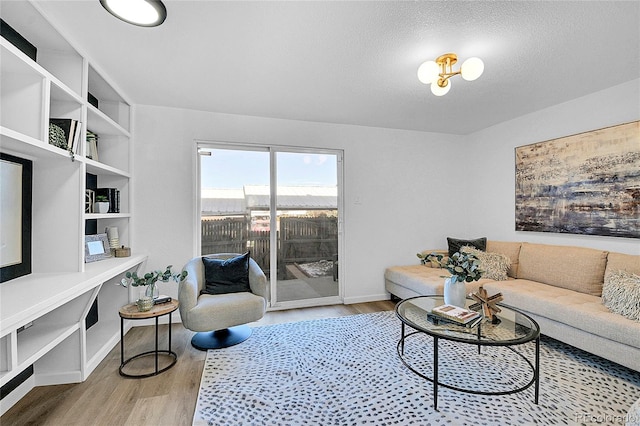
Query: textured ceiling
356, 62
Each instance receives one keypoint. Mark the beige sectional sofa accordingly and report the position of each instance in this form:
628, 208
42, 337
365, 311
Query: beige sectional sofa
559, 286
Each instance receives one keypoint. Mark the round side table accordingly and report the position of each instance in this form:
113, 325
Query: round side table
131, 312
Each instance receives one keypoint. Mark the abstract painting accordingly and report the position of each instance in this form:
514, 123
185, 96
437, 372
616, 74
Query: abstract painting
582, 184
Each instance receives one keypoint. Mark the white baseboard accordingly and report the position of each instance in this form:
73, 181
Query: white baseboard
16, 395
364, 299
37, 380
57, 378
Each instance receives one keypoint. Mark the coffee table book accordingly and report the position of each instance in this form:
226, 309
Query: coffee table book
455, 314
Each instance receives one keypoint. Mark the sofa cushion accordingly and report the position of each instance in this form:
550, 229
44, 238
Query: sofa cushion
579, 310
424, 280
574, 268
456, 244
494, 266
510, 249
622, 262
621, 294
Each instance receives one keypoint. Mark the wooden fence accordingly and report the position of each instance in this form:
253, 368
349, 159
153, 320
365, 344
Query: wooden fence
300, 239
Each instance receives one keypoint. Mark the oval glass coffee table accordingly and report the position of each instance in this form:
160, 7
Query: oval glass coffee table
512, 330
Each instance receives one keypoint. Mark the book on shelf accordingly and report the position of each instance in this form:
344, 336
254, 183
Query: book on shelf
113, 196
65, 133
91, 150
455, 313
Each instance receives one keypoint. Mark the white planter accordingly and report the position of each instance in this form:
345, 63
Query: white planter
455, 293
101, 207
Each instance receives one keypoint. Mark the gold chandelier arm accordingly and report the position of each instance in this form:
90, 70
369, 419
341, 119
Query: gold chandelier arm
445, 76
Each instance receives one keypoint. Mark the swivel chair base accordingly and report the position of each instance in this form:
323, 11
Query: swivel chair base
221, 338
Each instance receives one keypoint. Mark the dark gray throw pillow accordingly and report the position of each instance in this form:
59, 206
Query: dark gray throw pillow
226, 276
456, 244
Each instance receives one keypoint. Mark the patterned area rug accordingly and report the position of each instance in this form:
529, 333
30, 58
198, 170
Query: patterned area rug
346, 371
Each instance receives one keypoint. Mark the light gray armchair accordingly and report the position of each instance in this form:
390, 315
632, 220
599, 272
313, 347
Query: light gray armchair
219, 320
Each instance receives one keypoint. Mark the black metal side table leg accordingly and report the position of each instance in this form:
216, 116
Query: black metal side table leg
537, 372
121, 341
169, 348
435, 373
156, 345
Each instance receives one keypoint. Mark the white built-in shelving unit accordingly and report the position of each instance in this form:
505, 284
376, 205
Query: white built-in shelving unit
42, 315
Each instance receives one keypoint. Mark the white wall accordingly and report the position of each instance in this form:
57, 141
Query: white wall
494, 173
402, 179
396, 175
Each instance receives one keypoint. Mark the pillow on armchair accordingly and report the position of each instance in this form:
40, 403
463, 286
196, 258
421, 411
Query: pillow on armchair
226, 275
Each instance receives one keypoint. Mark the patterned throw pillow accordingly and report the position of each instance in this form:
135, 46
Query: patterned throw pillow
494, 265
621, 294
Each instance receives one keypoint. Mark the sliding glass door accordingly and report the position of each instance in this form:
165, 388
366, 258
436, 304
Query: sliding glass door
283, 206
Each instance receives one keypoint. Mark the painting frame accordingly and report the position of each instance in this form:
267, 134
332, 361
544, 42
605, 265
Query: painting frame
587, 183
16, 228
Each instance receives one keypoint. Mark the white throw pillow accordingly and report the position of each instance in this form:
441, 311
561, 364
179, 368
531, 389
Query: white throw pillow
621, 294
494, 265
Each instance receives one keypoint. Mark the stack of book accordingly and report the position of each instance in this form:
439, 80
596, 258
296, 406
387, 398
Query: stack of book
449, 314
65, 133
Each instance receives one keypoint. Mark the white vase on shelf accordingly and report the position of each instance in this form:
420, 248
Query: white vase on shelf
455, 293
101, 207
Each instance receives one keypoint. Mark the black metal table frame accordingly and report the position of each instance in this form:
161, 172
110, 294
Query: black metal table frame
156, 352
535, 369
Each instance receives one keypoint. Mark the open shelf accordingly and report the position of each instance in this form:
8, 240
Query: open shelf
49, 305
98, 168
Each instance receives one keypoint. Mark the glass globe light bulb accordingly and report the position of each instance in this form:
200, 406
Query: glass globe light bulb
428, 72
472, 68
440, 91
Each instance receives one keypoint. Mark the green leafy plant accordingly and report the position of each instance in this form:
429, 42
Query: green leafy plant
463, 266
132, 278
101, 199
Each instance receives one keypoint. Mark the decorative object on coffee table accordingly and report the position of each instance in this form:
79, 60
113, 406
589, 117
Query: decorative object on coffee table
464, 267
487, 303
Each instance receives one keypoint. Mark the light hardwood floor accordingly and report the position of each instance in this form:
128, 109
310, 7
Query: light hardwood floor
106, 398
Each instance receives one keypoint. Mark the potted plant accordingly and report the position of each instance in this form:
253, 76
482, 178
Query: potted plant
149, 280
463, 267
101, 205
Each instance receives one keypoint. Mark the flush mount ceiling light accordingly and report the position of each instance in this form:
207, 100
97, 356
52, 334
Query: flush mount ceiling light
144, 13
437, 73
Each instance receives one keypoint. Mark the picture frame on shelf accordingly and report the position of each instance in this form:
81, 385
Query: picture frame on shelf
16, 181
96, 247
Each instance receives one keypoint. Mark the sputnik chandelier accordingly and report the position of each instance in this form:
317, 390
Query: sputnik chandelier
439, 72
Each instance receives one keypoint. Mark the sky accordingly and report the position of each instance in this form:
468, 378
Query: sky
231, 169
